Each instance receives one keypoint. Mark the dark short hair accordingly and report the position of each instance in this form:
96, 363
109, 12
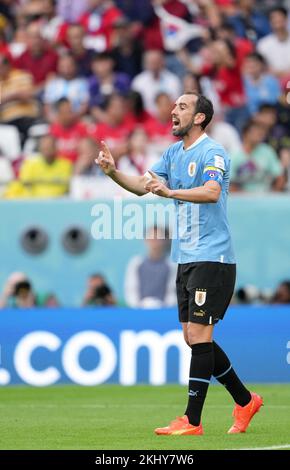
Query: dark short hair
257, 56
60, 102
268, 107
203, 105
279, 9
109, 98
156, 228
4, 59
285, 283
227, 26
105, 55
250, 124
160, 95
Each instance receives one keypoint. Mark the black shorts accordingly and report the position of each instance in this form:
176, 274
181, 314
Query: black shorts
204, 291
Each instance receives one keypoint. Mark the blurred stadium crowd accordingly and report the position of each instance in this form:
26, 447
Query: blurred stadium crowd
75, 72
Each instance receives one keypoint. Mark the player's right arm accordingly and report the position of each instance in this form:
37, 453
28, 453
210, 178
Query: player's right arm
134, 184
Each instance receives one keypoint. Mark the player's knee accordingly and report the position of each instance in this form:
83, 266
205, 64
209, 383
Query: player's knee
197, 333
185, 335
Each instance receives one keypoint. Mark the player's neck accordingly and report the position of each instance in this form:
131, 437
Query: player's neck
192, 137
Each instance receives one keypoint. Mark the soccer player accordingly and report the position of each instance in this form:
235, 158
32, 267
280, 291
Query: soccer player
194, 172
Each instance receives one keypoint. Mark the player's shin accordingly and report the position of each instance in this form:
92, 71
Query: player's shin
201, 368
225, 374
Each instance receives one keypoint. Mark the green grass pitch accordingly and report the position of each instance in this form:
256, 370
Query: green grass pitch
116, 417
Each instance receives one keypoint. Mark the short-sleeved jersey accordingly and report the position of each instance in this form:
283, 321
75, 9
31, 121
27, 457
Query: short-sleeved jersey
201, 231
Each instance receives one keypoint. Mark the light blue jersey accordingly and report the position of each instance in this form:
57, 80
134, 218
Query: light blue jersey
201, 230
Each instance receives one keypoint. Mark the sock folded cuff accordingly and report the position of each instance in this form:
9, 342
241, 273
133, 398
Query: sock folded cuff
201, 348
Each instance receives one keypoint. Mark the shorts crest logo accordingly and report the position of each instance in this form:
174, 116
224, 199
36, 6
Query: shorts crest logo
200, 297
191, 168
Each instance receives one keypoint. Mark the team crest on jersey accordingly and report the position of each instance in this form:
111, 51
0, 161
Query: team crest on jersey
191, 168
200, 297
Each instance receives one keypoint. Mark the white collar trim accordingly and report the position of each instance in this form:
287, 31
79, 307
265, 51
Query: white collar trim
200, 139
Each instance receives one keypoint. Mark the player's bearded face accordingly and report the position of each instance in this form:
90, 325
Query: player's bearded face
179, 130
183, 117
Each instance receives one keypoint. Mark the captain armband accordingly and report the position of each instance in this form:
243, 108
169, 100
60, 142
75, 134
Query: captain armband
212, 173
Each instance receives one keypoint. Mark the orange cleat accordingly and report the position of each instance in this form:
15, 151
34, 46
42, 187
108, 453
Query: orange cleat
180, 427
244, 414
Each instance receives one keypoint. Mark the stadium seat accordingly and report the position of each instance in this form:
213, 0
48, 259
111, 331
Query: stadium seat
10, 141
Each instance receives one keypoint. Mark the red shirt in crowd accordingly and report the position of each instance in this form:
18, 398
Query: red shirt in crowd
101, 23
157, 130
4, 50
243, 47
114, 136
39, 67
68, 138
152, 33
229, 85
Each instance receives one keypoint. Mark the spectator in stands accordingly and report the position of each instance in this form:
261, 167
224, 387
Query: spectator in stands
277, 134
67, 129
248, 21
6, 11
275, 47
98, 22
82, 55
159, 128
136, 108
117, 127
46, 175
51, 21
152, 35
282, 294
87, 150
229, 83
104, 82
256, 167
248, 294
67, 85
155, 79
243, 46
6, 173
203, 85
18, 106
139, 13
220, 62
150, 280
140, 155
224, 133
88, 181
127, 49
71, 10
39, 59
98, 292
4, 46
19, 293
283, 114
261, 87
42, 12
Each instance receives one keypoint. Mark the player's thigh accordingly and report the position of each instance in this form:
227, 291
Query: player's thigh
211, 287
182, 297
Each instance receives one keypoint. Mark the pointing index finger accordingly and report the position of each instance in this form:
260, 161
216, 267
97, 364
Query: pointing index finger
105, 147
